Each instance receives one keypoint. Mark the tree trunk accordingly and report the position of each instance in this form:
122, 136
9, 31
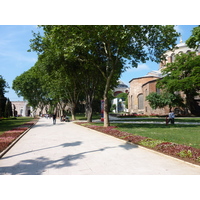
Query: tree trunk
88, 111
89, 115
73, 106
88, 107
106, 112
105, 97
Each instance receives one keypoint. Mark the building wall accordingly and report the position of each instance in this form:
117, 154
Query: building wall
135, 92
21, 107
143, 86
148, 88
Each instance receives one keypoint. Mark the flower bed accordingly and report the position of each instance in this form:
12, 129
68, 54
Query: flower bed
180, 151
9, 136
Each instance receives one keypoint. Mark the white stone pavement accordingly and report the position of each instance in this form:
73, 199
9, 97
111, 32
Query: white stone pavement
69, 149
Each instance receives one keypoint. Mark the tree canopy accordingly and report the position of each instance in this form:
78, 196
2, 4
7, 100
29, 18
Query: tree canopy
5, 104
104, 48
164, 99
183, 75
194, 39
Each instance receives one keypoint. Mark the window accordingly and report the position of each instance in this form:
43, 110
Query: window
157, 90
172, 57
140, 101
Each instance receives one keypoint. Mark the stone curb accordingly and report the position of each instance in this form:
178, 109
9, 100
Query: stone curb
142, 147
15, 141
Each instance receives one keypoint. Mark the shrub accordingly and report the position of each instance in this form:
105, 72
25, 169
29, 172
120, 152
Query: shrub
151, 143
185, 154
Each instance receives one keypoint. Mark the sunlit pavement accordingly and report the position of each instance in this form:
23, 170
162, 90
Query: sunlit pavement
70, 149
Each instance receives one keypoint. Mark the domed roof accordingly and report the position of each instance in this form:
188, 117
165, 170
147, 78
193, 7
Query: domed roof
121, 84
182, 44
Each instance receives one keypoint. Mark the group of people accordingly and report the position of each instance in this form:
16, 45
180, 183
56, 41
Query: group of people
62, 118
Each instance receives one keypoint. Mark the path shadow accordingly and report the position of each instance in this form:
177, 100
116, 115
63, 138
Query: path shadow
41, 164
32, 151
48, 125
128, 146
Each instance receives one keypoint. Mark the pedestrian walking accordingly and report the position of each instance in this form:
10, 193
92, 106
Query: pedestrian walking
54, 118
171, 117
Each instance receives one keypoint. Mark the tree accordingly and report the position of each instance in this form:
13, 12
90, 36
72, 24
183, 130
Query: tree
194, 40
30, 86
8, 108
183, 75
164, 99
108, 48
3, 99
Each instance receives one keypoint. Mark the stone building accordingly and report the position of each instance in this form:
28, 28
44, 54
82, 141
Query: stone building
143, 86
21, 108
121, 88
118, 102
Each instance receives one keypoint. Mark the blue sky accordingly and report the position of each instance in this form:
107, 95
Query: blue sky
14, 58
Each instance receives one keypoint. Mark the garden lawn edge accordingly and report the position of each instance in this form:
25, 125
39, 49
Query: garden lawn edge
184, 160
15, 141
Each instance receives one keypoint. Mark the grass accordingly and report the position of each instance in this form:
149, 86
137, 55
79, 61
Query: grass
163, 119
181, 134
178, 133
180, 141
81, 116
6, 125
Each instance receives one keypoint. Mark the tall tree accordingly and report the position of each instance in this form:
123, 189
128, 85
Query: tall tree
3, 99
29, 85
8, 108
108, 48
194, 39
183, 75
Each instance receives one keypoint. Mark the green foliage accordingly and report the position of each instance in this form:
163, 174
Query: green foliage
3, 99
3, 86
104, 49
113, 107
185, 154
164, 99
8, 109
122, 96
151, 143
183, 75
194, 40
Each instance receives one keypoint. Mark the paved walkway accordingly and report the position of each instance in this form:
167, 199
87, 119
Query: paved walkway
69, 149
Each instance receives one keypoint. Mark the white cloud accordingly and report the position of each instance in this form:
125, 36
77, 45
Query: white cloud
179, 29
141, 67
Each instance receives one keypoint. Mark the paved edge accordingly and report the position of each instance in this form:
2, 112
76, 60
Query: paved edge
139, 146
15, 141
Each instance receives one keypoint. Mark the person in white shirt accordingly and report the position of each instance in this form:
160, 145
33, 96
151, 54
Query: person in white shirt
171, 117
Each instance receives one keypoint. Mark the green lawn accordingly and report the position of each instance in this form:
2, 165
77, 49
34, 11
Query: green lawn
81, 116
6, 125
181, 119
182, 134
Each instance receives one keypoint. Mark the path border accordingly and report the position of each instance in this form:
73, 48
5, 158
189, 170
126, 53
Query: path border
15, 141
139, 146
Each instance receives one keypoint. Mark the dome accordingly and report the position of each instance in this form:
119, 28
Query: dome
182, 44
121, 84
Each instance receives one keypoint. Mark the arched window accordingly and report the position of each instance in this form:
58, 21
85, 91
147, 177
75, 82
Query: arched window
180, 52
172, 57
188, 51
140, 101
